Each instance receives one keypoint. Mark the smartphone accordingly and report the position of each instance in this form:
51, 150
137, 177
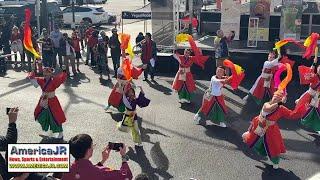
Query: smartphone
8, 110
115, 146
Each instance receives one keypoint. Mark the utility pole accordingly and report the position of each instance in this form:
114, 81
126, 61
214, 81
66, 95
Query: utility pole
190, 16
37, 13
73, 16
144, 22
44, 15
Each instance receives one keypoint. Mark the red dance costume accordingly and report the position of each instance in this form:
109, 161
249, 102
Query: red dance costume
310, 101
48, 111
264, 85
183, 82
264, 133
213, 105
115, 98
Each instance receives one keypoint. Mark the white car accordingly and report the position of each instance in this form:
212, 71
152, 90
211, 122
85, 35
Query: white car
95, 15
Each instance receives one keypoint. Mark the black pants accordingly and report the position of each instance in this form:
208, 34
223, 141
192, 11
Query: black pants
7, 50
56, 51
149, 70
93, 62
116, 63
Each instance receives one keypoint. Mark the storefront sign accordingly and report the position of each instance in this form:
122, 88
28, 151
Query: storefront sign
291, 19
230, 16
261, 9
253, 32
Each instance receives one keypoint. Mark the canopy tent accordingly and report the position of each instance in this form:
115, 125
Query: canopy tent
143, 13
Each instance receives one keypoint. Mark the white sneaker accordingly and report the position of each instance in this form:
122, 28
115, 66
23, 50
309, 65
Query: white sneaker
187, 101
106, 107
275, 166
222, 124
197, 119
45, 133
318, 132
60, 136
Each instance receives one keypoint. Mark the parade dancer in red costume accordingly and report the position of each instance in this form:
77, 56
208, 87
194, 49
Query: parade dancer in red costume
213, 105
48, 111
310, 99
115, 98
184, 83
264, 133
264, 85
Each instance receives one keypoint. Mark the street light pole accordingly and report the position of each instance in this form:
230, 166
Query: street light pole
190, 16
37, 13
144, 22
73, 16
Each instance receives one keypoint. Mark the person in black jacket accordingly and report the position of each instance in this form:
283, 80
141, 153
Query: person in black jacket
10, 138
5, 39
114, 45
68, 53
139, 38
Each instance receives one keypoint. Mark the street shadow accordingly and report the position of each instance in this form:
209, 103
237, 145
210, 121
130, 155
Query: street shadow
155, 85
15, 90
77, 79
139, 156
276, 174
72, 82
19, 82
190, 107
116, 116
250, 108
236, 92
232, 136
51, 140
106, 82
145, 131
316, 140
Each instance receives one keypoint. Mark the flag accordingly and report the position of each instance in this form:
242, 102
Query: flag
283, 42
126, 68
124, 39
311, 44
200, 60
304, 74
180, 38
283, 85
237, 73
126, 45
27, 39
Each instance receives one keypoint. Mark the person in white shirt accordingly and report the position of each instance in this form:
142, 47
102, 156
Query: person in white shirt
213, 106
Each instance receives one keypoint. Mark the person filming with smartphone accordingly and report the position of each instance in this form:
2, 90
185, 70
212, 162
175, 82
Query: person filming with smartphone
81, 148
10, 138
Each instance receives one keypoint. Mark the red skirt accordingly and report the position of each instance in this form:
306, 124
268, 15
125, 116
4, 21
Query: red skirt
272, 139
190, 84
115, 98
208, 104
259, 92
55, 108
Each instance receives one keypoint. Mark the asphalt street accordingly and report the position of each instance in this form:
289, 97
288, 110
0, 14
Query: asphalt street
173, 146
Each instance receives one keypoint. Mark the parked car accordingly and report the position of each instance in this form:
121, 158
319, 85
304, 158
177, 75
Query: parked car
94, 15
83, 2
17, 12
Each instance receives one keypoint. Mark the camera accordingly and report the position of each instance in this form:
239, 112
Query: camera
115, 146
